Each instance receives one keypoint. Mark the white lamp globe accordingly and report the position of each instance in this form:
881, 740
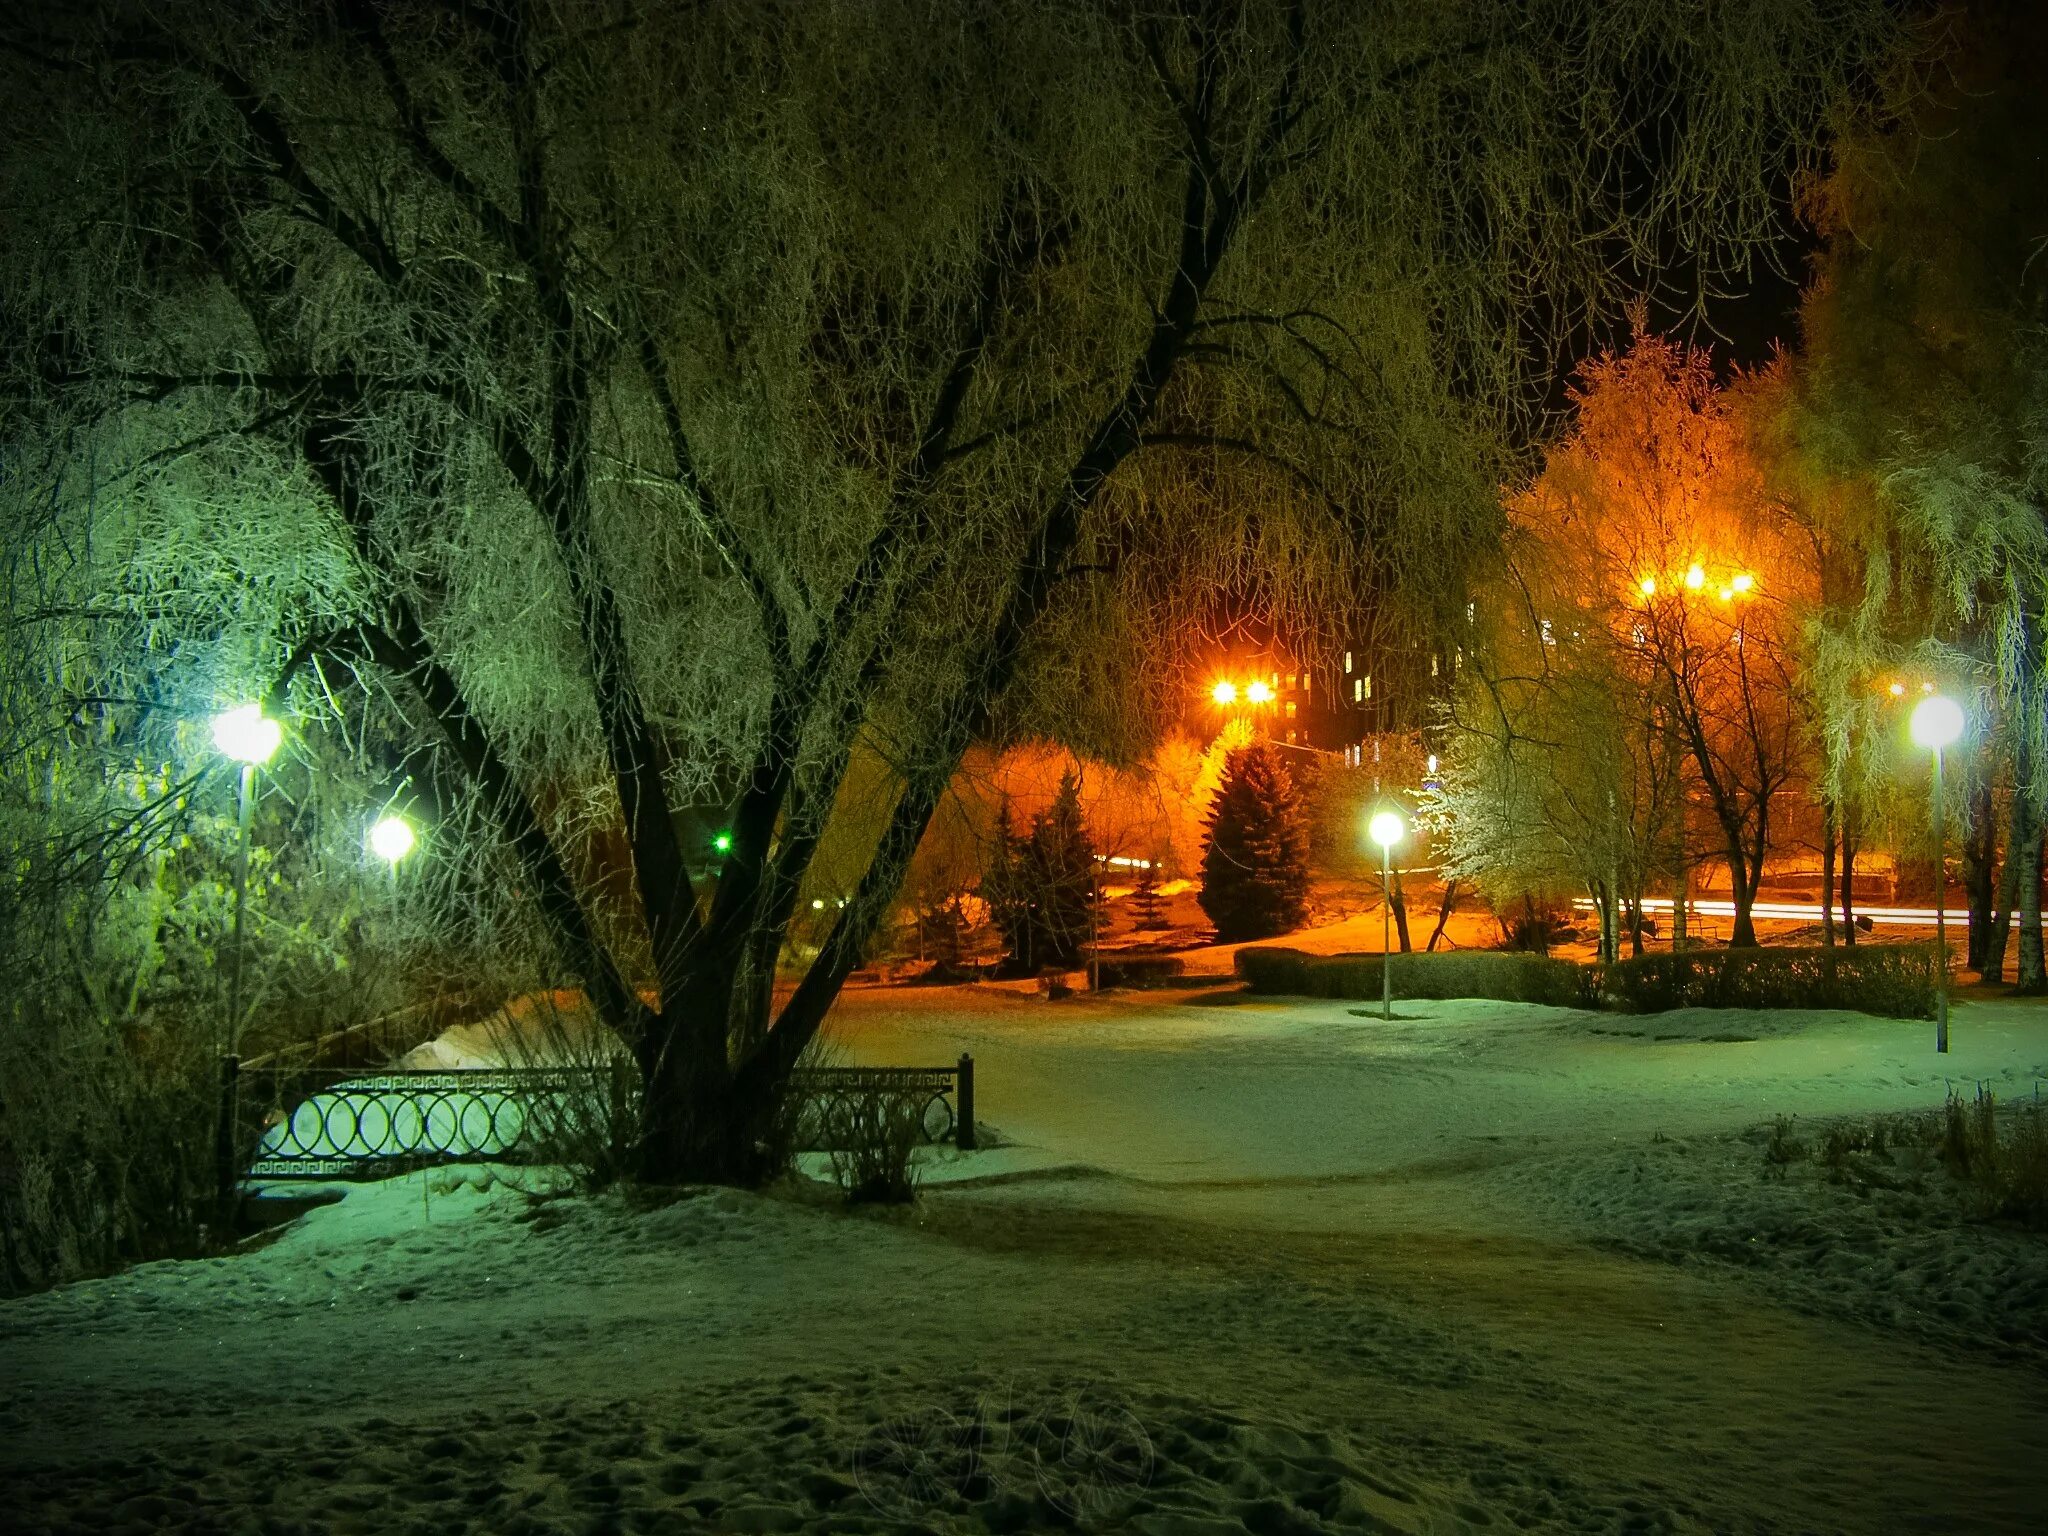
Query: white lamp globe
1386, 828
391, 839
246, 735
1937, 721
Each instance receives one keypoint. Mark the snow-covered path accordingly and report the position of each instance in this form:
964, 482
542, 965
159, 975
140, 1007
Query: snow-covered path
1262, 1267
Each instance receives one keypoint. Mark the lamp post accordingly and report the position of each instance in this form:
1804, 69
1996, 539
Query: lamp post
391, 838
249, 737
1386, 828
1936, 722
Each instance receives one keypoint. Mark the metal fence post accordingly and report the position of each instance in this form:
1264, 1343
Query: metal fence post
224, 1170
963, 1125
621, 1091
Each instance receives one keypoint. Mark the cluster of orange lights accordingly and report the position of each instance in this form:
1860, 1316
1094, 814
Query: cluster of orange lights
1695, 580
1898, 690
1227, 693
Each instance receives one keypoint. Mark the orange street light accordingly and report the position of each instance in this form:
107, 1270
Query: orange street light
1743, 582
1898, 690
1224, 693
1259, 693
1648, 586
1695, 577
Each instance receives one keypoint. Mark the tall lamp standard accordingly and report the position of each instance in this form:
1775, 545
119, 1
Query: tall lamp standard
249, 737
391, 838
1386, 828
1937, 721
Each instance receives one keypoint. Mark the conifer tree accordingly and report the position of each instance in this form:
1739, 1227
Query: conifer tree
1147, 904
1255, 868
1060, 861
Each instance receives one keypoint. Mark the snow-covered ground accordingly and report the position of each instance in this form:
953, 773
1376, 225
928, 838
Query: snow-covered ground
1238, 1265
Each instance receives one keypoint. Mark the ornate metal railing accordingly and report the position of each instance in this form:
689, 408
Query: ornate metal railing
299, 1122
942, 1099
337, 1123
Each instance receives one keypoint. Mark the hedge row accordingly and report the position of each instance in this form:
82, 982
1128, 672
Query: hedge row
1517, 978
1892, 980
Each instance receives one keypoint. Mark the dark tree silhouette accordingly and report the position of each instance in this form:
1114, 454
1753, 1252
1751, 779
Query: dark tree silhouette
1255, 868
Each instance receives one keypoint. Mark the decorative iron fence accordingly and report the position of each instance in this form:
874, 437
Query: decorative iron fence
300, 1122
942, 1098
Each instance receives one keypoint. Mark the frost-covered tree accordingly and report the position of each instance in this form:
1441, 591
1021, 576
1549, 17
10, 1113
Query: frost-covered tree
1643, 652
654, 405
1919, 409
1255, 867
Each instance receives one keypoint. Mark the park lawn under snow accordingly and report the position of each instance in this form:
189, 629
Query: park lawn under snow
1238, 1265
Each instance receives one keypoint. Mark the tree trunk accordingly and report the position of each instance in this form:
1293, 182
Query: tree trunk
1827, 871
1400, 913
1996, 940
2033, 974
1848, 879
1443, 915
1742, 885
1681, 890
1980, 850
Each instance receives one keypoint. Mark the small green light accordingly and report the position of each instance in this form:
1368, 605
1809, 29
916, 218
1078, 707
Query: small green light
722, 842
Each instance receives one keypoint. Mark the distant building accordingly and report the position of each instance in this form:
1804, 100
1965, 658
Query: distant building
1336, 703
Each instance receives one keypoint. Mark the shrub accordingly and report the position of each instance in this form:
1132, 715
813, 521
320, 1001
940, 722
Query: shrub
1255, 868
1137, 970
871, 1138
1505, 977
1891, 980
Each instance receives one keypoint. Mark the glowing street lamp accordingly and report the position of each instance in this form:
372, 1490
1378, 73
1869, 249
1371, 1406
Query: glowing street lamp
1937, 721
1647, 586
1224, 693
248, 736
1386, 828
391, 839
1695, 577
1259, 693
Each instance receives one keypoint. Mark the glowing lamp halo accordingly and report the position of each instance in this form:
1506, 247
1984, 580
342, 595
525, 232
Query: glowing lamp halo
1937, 721
392, 838
246, 734
1695, 577
1386, 828
1259, 693
1224, 693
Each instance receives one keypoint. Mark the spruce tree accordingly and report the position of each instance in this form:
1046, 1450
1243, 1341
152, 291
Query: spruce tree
1148, 906
1005, 888
1039, 888
1255, 867
1060, 859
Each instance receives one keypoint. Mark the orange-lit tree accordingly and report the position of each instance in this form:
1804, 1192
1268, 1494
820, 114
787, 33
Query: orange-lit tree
1655, 529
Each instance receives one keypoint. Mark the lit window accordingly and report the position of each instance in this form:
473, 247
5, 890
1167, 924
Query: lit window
1290, 710
1290, 736
1358, 690
1367, 681
1347, 661
1548, 637
1432, 665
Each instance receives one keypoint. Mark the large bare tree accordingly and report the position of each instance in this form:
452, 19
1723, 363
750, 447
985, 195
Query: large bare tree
659, 403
